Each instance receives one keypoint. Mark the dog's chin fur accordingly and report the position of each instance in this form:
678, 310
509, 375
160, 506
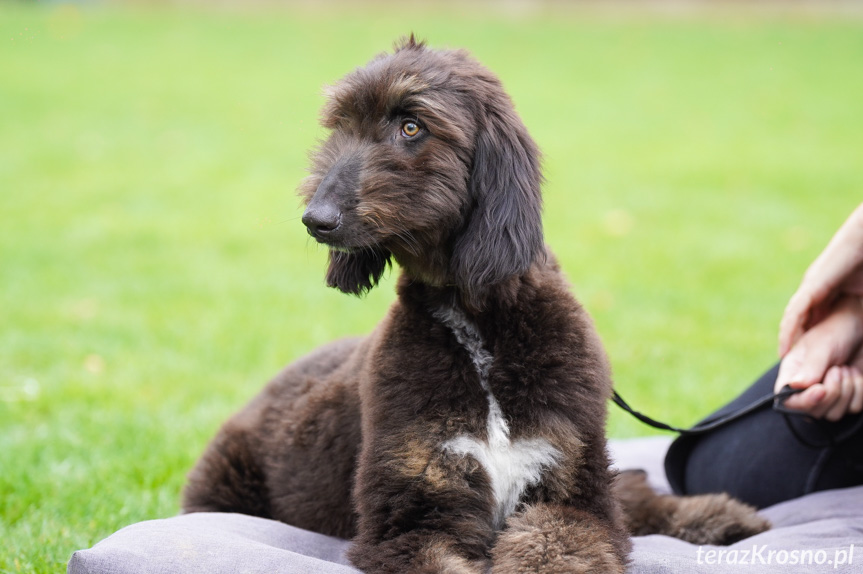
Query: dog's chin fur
356, 271
466, 432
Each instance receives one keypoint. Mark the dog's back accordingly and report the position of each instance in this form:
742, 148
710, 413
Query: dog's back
289, 454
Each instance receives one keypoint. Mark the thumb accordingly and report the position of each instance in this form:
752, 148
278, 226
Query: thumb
804, 365
792, 325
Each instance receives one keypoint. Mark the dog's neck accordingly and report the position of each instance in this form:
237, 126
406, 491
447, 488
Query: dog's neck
447, 293
431, 269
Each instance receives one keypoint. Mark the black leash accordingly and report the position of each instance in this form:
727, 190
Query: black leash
777, 399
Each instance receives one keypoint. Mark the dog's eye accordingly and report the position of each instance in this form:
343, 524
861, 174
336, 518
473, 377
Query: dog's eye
410, 129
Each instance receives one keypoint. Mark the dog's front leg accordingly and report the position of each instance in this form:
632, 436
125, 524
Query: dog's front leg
421, 512
416, 552
556, 539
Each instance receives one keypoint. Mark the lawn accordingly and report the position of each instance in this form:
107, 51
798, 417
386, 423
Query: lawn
154, 272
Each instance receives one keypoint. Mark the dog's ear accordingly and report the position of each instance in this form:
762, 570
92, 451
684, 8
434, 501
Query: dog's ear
503, 234
358, 271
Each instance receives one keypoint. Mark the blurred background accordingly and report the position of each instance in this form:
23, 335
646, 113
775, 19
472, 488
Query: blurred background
154, 272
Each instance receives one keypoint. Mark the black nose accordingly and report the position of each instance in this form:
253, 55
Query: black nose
321, 218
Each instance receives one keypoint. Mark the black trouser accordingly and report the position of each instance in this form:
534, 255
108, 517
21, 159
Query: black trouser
760, 460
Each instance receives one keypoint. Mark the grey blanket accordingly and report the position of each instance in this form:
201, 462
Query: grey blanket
822, 532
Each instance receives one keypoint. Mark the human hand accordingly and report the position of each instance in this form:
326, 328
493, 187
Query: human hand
827, 361
837, 271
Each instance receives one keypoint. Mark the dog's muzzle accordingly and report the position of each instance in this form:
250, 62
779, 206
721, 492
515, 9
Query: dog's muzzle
323, 216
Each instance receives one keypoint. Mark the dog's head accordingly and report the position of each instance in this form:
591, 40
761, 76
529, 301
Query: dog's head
426, 162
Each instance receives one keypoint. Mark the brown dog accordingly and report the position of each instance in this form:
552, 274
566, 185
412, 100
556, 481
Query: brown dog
467, 431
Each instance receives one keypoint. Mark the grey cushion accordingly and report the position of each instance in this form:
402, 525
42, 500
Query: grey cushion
822, 532
213, 543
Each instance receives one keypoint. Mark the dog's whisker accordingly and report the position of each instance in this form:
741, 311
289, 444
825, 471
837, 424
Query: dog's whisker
407, 237
396, 228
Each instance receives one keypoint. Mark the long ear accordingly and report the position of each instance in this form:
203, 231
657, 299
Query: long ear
356, 272
503, 235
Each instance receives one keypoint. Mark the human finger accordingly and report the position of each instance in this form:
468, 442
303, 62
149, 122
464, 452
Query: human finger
806, 400
793, 320
856, 368
846, 394
832, 393
856, 405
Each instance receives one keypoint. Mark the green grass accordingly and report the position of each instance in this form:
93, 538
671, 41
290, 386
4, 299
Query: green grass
154, 272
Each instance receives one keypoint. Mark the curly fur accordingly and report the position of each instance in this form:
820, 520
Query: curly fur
466, 432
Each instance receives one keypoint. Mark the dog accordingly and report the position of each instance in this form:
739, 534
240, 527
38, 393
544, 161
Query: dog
467, 431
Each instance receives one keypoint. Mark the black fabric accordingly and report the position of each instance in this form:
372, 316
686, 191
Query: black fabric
760, 460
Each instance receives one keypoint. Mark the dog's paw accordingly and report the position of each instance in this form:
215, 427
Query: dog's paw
555, 541
715, 519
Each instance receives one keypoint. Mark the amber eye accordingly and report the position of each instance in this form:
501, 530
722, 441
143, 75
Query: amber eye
410, 129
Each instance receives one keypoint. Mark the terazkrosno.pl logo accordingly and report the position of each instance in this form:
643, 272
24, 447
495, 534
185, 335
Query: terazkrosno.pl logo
763, 555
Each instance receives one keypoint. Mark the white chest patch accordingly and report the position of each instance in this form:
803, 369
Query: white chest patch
512, 466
